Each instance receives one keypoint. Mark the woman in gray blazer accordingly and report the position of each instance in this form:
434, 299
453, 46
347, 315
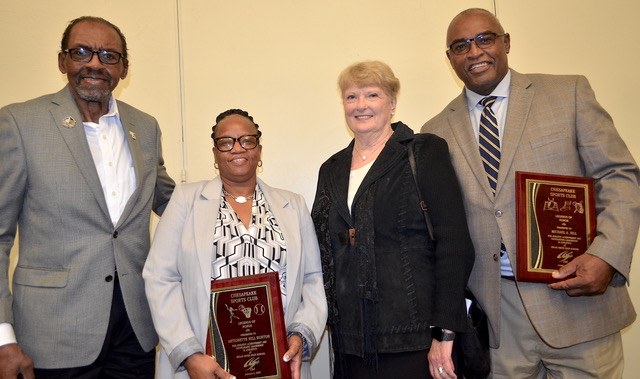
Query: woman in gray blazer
234, 225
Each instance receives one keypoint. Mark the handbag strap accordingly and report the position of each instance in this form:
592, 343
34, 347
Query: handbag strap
423, 206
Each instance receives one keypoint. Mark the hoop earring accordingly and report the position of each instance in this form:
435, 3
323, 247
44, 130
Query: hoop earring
260, 163
215, 165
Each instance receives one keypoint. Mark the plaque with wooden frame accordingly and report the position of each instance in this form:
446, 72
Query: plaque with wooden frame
247, 334
555, 222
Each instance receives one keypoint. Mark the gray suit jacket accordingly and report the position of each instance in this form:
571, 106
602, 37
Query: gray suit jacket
69, 249
554, 125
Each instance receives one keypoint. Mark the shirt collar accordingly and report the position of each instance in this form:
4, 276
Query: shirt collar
111, 112
502, 91
113, 108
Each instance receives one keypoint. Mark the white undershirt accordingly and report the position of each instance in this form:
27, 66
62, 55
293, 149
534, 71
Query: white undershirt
355, 179
114, 164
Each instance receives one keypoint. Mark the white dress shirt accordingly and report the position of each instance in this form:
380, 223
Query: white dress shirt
112, 158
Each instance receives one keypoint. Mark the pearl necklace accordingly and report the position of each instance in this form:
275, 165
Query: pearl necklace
238, 199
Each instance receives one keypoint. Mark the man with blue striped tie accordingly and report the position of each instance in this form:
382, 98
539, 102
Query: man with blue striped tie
505, 122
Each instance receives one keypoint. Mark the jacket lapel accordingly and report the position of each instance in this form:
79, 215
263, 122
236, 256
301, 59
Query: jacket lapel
460, 125
68, 120
286, 216
394, 150
205, 211
131, 133
520, 99
339, 181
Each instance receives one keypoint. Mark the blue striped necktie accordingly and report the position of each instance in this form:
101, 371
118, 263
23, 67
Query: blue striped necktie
489, 141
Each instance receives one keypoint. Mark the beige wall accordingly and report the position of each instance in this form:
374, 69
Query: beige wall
279, 60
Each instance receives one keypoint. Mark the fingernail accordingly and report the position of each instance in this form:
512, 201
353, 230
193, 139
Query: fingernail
286, 358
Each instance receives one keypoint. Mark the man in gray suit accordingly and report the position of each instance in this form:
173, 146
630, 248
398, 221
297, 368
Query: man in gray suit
547, 124
80, 173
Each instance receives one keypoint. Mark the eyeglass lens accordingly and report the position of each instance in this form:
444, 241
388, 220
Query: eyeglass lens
247, 142
481, 40
80, 54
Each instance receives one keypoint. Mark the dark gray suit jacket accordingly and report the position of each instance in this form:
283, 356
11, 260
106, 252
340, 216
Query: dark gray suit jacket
69, 249
554, 125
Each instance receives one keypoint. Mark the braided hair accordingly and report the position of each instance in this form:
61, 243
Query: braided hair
230, 112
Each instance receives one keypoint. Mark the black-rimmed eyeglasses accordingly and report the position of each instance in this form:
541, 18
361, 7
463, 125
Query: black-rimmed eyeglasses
483, 41
247, 142
80, 54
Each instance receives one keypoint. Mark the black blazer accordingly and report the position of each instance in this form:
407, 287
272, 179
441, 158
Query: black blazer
416, 285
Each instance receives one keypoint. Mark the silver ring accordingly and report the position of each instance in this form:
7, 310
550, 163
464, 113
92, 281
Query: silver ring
440, 370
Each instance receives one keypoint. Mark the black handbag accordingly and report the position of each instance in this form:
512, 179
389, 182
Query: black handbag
471, 349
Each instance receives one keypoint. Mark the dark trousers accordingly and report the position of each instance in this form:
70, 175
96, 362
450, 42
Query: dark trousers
412, 364
121, 355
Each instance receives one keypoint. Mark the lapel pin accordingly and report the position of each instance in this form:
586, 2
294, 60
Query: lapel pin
68, 122
133, 135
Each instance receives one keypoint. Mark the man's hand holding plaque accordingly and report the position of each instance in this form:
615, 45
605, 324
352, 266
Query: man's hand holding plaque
556, 223
584, 276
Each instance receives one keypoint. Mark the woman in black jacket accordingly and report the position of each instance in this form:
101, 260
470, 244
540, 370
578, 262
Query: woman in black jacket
394, 295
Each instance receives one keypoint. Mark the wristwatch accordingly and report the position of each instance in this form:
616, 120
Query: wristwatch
440, 334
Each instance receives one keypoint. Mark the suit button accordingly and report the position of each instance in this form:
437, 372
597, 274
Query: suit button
495, 257
498, 213
115, 234
108, 278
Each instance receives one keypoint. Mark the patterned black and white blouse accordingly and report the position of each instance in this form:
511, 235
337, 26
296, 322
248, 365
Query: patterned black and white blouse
240, 251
